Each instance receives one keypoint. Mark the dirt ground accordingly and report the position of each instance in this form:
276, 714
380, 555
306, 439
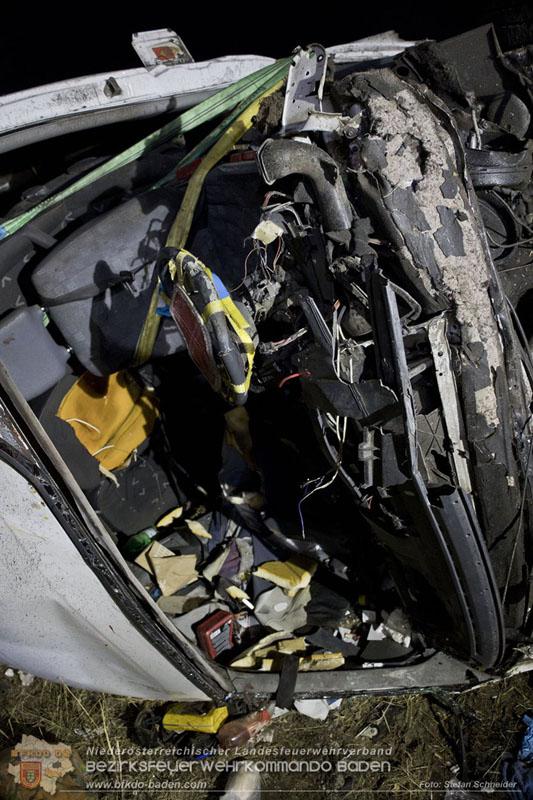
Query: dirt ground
419, 742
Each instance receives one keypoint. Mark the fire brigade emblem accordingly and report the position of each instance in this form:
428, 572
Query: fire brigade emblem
30, 774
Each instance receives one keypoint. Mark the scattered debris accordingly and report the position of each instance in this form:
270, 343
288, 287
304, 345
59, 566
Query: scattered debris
244, 783
370, 732
194, 717
237, 732
26, 678
317, 709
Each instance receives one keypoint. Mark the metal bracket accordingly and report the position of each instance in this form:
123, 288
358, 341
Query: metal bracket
305, 87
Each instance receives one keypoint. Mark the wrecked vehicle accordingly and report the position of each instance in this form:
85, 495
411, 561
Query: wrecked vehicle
266, 396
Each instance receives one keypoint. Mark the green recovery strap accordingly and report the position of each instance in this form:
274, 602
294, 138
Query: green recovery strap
217, 104
214, 135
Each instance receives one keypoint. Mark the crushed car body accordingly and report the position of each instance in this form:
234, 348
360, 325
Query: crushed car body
267, 371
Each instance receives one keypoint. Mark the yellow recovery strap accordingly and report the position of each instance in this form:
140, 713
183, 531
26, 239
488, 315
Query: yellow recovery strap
180, 231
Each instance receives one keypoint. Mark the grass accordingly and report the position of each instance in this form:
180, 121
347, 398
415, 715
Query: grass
421, 730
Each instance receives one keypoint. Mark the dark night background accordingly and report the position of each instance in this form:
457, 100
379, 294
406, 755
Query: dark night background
51, 42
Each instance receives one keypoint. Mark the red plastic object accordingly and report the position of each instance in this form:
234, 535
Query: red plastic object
215, 634
242, 155
189, 169
196, 336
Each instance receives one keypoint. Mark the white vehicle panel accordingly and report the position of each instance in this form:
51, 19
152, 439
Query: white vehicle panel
63, 107
58, 620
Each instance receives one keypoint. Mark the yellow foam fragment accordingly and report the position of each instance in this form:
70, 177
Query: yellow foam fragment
290, 575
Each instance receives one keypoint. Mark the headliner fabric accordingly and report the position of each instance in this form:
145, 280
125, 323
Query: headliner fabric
110, 415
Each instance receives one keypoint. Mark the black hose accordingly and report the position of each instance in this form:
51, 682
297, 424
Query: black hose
278, 158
